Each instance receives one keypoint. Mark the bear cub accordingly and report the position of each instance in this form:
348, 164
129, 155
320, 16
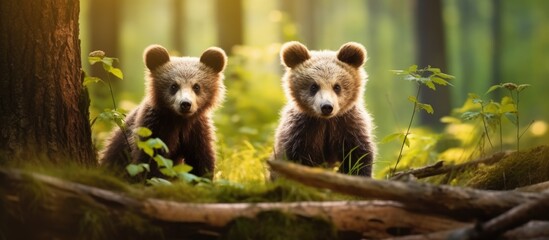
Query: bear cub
181, 93
325, 122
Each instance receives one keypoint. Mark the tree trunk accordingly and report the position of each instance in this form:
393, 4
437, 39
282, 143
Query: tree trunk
302, 14
43, 106
431, 51
230, 28
104, 25
178, 28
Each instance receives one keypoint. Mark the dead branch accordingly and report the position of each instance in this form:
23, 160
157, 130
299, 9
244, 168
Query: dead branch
62, 203
439, 167
533, 230
439, 199
538, 187
513, 218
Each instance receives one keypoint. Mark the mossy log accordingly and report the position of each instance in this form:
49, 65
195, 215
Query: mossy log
44, 207
457, 202
439, 168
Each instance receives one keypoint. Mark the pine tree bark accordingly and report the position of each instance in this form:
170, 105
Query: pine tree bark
43, 106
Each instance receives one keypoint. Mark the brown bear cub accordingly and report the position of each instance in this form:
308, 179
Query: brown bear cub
325, 122
177, 107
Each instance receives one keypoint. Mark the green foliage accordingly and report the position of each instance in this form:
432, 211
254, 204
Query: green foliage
429, 77
152, 147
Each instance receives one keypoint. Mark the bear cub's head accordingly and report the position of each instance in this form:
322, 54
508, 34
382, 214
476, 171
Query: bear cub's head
324, 83
185, 85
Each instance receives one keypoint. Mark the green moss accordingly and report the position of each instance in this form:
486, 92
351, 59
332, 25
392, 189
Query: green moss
517, 170
97, 223
274, 225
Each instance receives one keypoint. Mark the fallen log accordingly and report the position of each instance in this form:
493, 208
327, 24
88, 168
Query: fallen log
511, 219
534, 230
457, 202
439, 168
57, 209
538, 187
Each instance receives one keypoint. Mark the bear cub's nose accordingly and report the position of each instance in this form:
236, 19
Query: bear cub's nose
326, 109
185, 106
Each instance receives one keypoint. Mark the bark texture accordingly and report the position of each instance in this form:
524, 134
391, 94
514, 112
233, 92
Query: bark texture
43, 106
33, 199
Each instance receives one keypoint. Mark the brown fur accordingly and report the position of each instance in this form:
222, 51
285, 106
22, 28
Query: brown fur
308, 136
189, 135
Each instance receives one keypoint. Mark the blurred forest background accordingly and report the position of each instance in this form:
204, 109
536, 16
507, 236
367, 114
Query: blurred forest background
481, 43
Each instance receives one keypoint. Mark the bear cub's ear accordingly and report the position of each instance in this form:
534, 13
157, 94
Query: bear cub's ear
293, 54
155, 56
215, 58
352, 53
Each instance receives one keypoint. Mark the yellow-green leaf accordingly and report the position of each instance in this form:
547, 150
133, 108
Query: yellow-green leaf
431, 85
427, 107
391, 137
143, 132
493, 88
182, 168
117, 72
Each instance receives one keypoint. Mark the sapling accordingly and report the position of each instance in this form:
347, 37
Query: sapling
429, 77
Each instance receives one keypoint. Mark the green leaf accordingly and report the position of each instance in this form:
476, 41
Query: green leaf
412, 99
93, 60
182, 168
392, 137
493, 88
433, 70
445, 76
146, 148
157, 143
143, 132
158, 181
522, 87
134, 169
469, 115
168, 172
427, 107
412, 68
107, 61
117, 72
187, 177
89, 80
440, 81
163, 162
431, 85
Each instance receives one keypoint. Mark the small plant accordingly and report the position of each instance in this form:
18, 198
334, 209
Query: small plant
429, 77
513, 116
491, 114
152, 147
108, 114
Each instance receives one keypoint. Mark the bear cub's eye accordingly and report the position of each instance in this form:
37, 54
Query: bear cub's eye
196, 88
173, 88
314, 88
337, 88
